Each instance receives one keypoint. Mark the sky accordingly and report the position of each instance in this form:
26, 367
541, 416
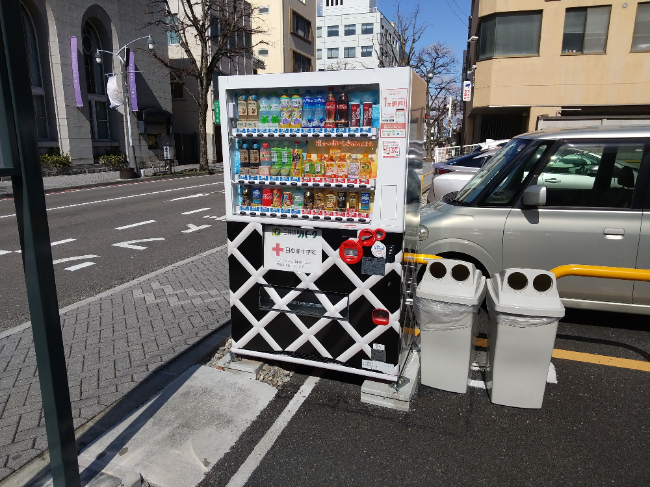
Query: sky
447, 20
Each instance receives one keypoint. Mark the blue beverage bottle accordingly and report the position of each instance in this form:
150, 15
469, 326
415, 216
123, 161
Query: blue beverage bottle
319, 110
307, 110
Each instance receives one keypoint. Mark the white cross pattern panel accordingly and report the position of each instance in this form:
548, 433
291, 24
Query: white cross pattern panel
319, 318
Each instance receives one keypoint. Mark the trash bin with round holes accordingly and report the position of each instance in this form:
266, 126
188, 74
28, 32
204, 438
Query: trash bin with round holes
524, 308
446, 307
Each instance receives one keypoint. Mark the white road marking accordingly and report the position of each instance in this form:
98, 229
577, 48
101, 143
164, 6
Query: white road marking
67, 240
79, 257
261, 449
195, 211
129, 243
79, 266
3, 252
126, 197
194, 228
135, 225
7, 216
476, 383
551, 377
197, 195
218, 218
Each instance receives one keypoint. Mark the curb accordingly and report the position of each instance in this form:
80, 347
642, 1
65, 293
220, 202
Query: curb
39, 467
120, 182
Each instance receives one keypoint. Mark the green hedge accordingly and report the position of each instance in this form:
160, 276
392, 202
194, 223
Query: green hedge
54, 163
114, 162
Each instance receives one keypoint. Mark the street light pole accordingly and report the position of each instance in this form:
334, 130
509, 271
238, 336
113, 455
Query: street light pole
126, 92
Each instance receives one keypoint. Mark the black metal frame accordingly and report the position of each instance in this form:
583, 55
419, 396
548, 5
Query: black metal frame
19, 142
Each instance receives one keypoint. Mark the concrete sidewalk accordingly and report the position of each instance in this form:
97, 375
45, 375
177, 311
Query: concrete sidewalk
113, 342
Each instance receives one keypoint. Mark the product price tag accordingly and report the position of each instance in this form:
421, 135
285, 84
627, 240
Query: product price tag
390, 148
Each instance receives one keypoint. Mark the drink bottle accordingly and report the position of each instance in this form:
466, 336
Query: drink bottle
285, 110
252, 108
245, 162
242, 107
265, 111
308, 200
330, 109
308, 110
296, 110
342, 108
298, 199
274, 114
319, 110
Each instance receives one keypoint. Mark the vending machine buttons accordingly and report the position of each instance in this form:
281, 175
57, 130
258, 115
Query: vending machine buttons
350, 252
380, 317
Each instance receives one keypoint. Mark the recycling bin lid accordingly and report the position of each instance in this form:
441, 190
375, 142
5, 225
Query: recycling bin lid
525, 292
452, 281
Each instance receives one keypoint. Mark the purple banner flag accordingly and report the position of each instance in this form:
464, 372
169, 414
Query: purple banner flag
132, 88
75, 70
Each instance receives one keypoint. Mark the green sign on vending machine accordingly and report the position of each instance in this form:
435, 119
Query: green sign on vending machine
217, 113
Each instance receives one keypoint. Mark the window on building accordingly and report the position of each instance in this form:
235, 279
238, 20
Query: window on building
641, 37
301, 64
511, 34
332, 31
585, 30
366, 51
301, 27
319, 32
264, 10
35, 78
95, 86
263, 52
178, 92
333, 53
350, 29
152, 141
319, 54
350, 52
172, 35
367, 28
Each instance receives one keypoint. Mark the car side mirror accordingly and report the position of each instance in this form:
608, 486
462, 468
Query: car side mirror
534, 196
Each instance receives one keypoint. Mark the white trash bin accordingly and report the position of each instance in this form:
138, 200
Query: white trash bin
446, 307
524, 308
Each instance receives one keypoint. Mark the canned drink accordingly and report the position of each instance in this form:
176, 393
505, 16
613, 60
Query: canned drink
353, 200
267, 197
287, 198
364, 201
341, 200
367, 114
246, 196
319, 199
298, 199
257, 196
308, 200
330, 201
277, 198
355, 114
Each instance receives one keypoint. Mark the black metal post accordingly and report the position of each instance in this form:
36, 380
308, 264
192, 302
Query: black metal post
18, 126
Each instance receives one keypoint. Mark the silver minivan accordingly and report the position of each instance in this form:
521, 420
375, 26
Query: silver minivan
550, 198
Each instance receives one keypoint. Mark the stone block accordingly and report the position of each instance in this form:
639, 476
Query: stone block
383, 394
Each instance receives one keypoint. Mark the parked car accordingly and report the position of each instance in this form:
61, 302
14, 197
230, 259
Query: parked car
452, 175
550, 198
490, 144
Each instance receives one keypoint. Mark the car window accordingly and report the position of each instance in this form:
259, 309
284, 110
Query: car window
509, 187
476, 161
601, 175
490, 170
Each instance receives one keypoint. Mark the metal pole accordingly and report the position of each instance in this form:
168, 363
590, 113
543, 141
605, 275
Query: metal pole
127, 111
17, 123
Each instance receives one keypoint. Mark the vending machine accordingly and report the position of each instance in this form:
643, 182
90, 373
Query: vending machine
322, 178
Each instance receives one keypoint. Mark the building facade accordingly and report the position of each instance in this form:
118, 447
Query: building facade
85, 125
588, 58
290, 35
353, 35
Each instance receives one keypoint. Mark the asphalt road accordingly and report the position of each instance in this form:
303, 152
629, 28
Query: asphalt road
592, 429
86, 224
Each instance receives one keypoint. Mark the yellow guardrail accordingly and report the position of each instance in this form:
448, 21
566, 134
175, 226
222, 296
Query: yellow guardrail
422, 182
601, 271
419, 258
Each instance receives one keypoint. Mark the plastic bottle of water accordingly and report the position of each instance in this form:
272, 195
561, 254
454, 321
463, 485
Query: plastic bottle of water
308, 110
265, 113
319, 110
274, 103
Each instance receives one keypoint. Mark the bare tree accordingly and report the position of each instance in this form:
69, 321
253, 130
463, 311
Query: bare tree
409, 29
208, 31
436, 65
342, 64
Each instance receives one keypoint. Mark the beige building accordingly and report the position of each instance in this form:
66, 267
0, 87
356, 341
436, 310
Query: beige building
529, 58
290, 35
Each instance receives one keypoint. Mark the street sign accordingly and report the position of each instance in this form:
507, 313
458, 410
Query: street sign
166, 152
217, 112
467, 90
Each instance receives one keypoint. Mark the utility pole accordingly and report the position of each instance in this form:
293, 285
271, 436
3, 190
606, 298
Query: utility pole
449, 121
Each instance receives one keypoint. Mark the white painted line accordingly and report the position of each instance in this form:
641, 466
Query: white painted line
197, 195
18, 251
261, 449
7, 216
476, 383
195, 211
135, 225
551, 377
116, 289
218, 218
194, 228
79, 266
67, 240
79, 257
127, 197
129, 243
3, 252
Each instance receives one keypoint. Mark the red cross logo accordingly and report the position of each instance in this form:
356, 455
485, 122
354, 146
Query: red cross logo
277, 249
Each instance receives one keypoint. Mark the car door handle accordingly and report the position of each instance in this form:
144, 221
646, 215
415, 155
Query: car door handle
552, 180
615, 233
